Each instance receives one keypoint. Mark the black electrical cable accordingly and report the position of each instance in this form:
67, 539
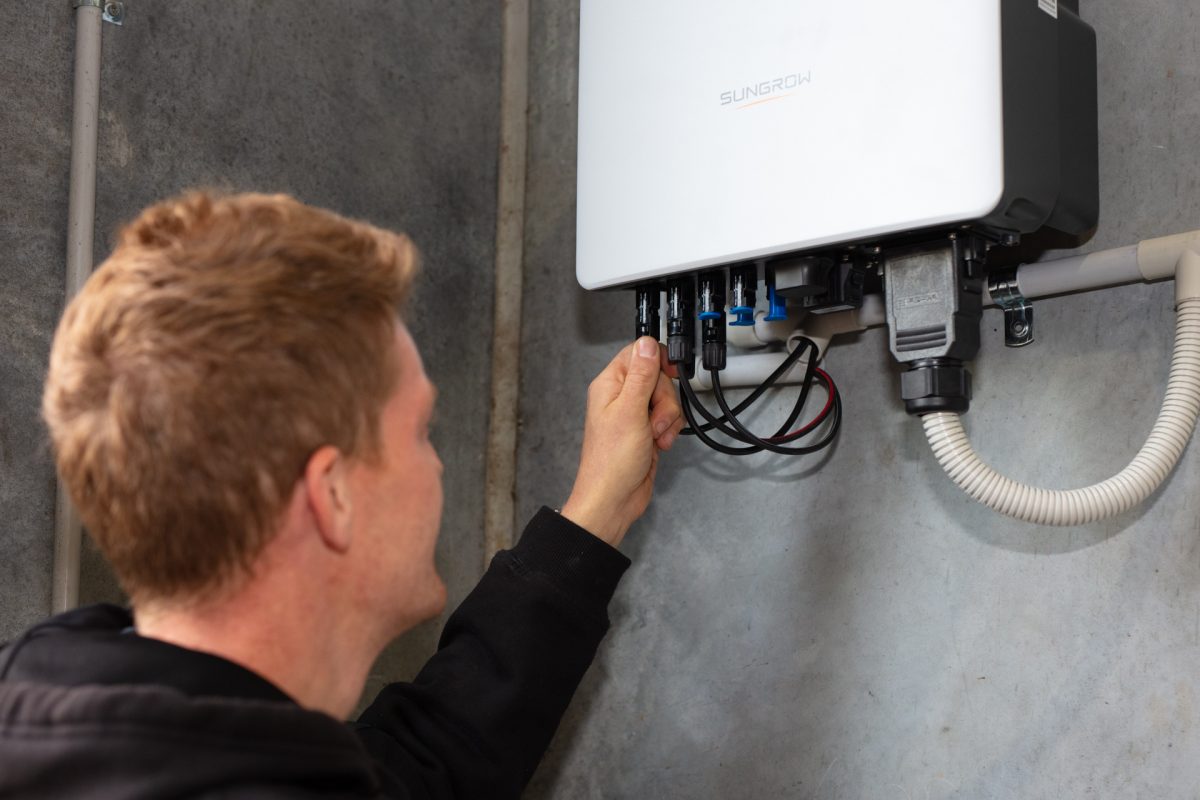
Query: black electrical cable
684, 391
832, 411
767, 444
690, 403
775, 443
714, 422
805, 344
805, 387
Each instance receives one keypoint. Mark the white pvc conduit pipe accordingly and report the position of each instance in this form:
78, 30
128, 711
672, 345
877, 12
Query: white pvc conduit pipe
1149, 468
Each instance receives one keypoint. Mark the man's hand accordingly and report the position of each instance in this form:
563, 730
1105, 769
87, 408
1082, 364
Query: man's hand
632, 414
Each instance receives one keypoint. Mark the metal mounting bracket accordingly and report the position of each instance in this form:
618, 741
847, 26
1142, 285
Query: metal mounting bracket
110, 10
1018, 312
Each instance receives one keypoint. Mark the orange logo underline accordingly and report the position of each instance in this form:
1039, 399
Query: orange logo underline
768, 100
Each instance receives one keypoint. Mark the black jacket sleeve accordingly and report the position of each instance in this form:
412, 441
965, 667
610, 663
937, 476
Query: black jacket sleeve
480, 714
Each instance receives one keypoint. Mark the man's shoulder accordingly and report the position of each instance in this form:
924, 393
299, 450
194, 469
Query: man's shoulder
89, 709
118, 737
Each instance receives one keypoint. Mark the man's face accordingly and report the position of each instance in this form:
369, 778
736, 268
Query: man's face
398, 501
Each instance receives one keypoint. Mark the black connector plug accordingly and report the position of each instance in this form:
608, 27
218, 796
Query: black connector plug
712, 319
649, 323
681, 326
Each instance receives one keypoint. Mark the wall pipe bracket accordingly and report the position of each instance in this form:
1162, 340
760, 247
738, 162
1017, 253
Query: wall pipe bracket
1018, 311
111, 11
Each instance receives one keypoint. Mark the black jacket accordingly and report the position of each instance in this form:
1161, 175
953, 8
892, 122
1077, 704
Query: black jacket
89, 709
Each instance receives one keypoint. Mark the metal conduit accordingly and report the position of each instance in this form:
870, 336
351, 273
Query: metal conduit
81, 223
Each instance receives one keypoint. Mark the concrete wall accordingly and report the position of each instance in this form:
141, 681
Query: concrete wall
385, 111
35, 132
852, 626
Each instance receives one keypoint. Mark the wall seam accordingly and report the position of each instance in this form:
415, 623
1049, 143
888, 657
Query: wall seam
499, 514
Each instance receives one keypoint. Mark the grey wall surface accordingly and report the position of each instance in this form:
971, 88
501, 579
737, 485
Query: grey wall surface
35, 134
384, 111
852, 626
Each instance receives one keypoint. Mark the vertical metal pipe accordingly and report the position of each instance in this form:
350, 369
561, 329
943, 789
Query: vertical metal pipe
81, 222
499, 507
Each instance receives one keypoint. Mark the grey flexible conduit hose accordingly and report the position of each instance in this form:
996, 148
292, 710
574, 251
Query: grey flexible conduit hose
1129, 487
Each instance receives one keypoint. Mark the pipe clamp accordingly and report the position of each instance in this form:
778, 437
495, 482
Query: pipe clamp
110, 10
1018, 312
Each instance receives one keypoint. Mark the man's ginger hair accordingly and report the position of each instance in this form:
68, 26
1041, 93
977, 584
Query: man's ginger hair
223, 342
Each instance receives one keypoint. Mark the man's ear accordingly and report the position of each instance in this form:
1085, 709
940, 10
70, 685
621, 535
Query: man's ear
327, 491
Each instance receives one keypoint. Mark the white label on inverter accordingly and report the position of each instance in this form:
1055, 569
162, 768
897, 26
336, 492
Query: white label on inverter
1049, 6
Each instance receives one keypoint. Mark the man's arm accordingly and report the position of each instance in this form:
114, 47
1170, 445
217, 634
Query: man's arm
479, 716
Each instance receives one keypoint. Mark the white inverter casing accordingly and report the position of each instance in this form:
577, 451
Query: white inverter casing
714, 132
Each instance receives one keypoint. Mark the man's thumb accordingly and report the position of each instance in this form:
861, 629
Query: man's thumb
644, 366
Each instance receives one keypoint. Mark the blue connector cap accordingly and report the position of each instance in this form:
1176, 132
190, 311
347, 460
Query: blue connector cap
744, 316
709, 315
776, 305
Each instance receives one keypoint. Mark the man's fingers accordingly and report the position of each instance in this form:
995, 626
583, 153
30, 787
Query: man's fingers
609, 381
606, 386
667, 366
664, 406
669, 436
643, 372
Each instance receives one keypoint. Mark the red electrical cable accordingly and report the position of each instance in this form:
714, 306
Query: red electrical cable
831, 390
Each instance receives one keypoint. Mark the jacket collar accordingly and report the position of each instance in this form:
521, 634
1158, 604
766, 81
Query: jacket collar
97, 645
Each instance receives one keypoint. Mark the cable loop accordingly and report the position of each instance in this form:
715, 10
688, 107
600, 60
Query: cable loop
729, 424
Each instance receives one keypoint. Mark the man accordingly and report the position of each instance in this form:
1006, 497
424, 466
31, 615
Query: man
242, 420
